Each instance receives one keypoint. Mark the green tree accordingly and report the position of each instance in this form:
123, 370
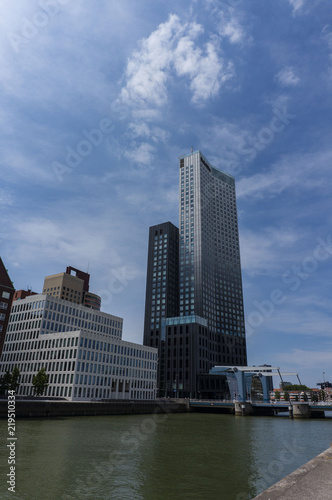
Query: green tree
9, 381
296, 387
40, 382
305, 397
322, 395
286, 396
5, 383
14, 384
277, 395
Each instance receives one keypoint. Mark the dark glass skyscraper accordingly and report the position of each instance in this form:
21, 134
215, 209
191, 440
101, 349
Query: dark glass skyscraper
209, 326
162, 288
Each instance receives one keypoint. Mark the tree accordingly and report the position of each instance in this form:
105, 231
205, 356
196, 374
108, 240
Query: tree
9, 381
286, 396
5, 382
277, 395
14, 384
40, 382
295, 387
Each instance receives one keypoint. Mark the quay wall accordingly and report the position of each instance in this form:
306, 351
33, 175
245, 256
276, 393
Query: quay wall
48, 408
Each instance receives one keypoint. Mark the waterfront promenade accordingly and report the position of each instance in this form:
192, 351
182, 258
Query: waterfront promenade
312, 481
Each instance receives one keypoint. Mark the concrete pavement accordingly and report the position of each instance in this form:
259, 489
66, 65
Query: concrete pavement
312, 481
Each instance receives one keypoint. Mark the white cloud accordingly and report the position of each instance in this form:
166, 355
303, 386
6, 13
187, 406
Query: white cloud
266, 252
305, 171
51, 238
6, 198
231, 28
209, 75
223, 142
172, 51
141, 153
297, 4
172, 48
327, 35
303, 6
142, 129
229, 17
287, 77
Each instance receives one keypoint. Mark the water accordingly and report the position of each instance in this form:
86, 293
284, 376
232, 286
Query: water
162, 457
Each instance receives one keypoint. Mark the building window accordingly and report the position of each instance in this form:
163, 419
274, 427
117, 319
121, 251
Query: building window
5, 295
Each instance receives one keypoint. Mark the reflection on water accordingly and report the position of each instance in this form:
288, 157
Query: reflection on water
160, 457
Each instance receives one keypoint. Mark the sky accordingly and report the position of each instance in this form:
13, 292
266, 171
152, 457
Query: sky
98, 101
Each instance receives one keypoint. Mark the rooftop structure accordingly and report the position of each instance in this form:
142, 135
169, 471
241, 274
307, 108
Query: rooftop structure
73, 285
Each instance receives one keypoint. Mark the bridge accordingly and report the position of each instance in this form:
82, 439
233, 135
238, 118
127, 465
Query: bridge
239, 379
246, 401
295, 409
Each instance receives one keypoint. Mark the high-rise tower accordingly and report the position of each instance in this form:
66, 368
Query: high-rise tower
209, 328
210, 269
162, 288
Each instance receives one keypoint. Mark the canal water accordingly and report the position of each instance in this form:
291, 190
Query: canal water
157, 457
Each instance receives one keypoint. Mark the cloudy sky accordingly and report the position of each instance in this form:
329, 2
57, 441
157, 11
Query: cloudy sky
99, 99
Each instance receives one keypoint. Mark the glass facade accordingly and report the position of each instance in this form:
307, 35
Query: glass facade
210, 269
206, 327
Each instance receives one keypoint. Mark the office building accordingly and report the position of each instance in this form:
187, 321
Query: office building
6, 296
73, 285
162, 288
209, 327
80, 347
81, 350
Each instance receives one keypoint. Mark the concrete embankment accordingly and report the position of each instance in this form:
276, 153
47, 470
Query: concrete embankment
312, 481
48, 408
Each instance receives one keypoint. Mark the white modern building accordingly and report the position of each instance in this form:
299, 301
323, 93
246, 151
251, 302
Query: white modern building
81, 350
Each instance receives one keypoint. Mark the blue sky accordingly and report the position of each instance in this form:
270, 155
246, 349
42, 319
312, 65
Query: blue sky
99, 99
